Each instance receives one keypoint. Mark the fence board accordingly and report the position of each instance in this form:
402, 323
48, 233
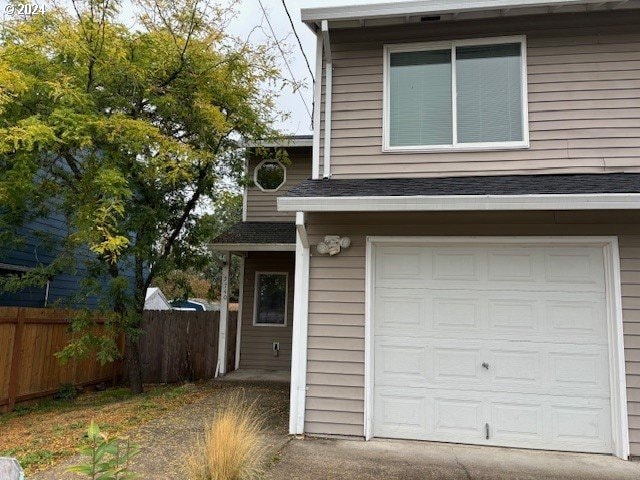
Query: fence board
29, 338
175, 346
181, 345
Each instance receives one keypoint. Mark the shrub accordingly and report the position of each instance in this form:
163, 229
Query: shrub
108, 459
233, 446
66, 391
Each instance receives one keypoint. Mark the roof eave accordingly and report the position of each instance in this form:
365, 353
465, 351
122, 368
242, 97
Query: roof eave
432, 203
311, 16
254, 247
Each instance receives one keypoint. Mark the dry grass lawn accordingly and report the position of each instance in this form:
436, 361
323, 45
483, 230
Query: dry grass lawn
42, 434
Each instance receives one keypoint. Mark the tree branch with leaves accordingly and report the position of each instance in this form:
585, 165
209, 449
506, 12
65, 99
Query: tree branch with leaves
128, 133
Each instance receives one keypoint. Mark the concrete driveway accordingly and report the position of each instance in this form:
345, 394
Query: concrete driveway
323, 459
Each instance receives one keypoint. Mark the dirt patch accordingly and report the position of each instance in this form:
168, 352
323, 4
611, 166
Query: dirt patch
165, 440
43, 433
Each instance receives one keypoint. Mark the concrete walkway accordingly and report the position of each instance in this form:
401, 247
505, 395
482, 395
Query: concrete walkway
324, 459
257, 375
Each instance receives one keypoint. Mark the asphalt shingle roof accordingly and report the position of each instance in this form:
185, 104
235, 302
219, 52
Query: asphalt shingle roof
259, 232
480, 185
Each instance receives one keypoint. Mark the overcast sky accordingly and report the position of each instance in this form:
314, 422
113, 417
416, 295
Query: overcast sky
300, 122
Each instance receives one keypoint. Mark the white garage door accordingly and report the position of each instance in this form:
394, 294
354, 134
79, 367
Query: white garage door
492, 344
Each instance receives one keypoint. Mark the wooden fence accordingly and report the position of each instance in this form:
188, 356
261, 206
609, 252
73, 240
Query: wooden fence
183, 345
175, 346
29, 337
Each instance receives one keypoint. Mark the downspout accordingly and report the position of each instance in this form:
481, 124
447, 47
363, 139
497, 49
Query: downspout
328, 100
317, 106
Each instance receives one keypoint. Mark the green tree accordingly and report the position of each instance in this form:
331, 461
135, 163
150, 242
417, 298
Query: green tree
203, 277
128, 133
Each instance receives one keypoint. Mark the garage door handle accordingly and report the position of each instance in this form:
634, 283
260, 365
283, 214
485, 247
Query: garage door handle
485, 365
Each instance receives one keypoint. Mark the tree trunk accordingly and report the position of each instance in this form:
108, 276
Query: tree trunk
134, 363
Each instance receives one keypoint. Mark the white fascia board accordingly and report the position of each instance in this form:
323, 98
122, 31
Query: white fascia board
290, 142
254, 247
605, 201
428, 7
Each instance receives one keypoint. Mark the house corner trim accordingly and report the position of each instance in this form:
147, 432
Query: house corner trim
300, 328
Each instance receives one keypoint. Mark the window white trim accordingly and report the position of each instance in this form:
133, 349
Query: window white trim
617, 378
455, 146
255, 298
255, 175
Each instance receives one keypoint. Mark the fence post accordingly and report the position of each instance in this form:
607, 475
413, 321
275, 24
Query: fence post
223, 325
14, 374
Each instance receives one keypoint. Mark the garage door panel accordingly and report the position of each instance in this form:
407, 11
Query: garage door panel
457, 416
510, 366
558, 316
402, 416
398, 311
514, 315
567, 369
456, 312
580, 369
524, 367
514, 421
513, 266
571, 268
525, 420
577, 267
456, 265
403, 362
584, 425
579, 316
509, 337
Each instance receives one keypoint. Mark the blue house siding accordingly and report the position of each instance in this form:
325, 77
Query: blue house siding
42, 242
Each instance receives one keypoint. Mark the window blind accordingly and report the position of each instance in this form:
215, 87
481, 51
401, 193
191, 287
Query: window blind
420, 98
489, 93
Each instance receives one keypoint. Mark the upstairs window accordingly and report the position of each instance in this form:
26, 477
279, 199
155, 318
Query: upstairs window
456, 95
270, 175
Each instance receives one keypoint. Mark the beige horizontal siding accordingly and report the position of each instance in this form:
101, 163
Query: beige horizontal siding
584, 98
262, 206
337, 287
256, 350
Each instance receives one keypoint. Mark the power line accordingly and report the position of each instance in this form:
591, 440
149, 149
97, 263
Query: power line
295, 32
284, 57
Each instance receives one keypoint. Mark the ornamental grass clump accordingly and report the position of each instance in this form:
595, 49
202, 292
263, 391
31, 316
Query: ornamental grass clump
233, 447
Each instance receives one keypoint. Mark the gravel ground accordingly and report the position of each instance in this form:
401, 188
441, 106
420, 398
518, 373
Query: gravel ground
165, 440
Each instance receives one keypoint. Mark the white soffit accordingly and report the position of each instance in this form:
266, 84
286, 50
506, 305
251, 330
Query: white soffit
383, 13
